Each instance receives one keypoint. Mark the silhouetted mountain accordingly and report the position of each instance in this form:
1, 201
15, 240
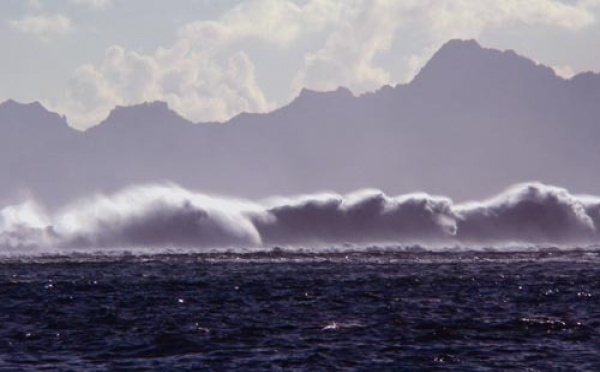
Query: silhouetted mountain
474, 120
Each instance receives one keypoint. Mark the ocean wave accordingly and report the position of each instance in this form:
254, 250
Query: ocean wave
363, 217
532, 212
169, 217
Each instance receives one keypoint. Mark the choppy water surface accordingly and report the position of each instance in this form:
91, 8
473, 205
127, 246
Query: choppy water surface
365, 311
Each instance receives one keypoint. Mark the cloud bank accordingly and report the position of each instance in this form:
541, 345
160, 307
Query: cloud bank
161, 217
215, 69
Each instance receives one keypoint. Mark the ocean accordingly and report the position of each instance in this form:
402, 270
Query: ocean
375, 309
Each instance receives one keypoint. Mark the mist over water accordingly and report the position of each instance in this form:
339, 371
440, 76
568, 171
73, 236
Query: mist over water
160, 218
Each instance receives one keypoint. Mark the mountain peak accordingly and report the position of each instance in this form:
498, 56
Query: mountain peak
11, 104
460, 62
154, 112
30, 114
460, 44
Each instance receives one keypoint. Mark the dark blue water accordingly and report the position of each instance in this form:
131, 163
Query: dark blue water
278, 311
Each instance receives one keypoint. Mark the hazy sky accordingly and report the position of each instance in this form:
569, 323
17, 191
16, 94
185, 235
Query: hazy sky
211, 59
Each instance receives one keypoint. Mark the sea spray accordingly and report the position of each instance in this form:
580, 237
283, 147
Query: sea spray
158, 218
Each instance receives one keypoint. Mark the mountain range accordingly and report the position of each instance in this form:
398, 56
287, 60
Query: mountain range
473, 121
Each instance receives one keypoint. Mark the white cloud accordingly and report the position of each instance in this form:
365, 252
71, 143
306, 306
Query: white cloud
456, 18
272, 21
564, 71
44, 26
201, 86
347, 57
93, 4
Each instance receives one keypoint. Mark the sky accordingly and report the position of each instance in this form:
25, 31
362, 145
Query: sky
213, 59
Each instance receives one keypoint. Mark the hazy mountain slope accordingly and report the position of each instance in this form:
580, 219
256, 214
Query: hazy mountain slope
473, 121
29, 135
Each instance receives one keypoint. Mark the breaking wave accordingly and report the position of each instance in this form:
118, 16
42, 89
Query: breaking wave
159, 217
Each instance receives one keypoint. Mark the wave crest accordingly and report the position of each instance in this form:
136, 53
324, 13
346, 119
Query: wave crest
169, 216
533, 213
362, 217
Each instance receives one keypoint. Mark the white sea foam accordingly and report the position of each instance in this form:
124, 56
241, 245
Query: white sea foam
168, 218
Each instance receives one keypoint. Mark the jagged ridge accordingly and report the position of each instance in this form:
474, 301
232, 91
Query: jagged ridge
471, 121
